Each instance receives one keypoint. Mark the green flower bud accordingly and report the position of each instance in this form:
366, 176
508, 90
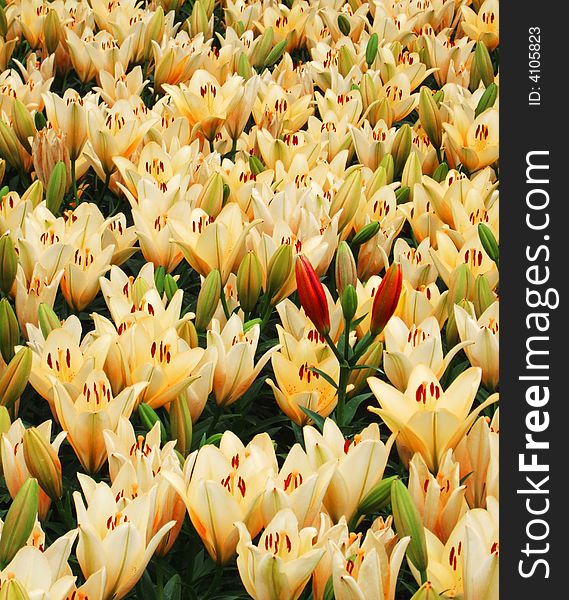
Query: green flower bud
23, 123
34, 193
408, 523
256, 165
13, 590
3, 22
377, 181
483, 296
278, 271
181, 424
19, 521
430, 117
275, 54
43, 463
40, 121
347, 197
388, 163
487, 99
244, 66
211, 197
48, 320
159, 275
5, 423
139, 288
371, 358
9, 146
149, 418
412, 172
345, 61
9, 330
441, 172
15, 377
8, 263
366, 233
208, 299
371, 49
378, 497
250, 324
52, 31
249, 281
187, 331
56, 187
401, 148
170, 286
349, 301
262, 48
461, 284
345, 269
198, 21
402, 194
489, 243
481, 68
344, 24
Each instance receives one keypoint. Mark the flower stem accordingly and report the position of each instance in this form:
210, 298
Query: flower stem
224, 303
74, 181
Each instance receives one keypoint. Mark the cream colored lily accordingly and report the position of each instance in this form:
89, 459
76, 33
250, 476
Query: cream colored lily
279, 567
136, 465
439, 499
426, 418
235, 369
297, 486
113, 535
406, 347
297, 385
359, 464
417, 305
483, 26
226, 485
85, 417
483, 352
209, 244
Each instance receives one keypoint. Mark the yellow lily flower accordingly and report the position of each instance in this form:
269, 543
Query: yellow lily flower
406, 347
417, 305
483, 26
136, 465
359, 464
297, 486
297, 385
113, 535
426, 418
235, 369
416, 263
439, 499
85, 417
483, 334
280, 566
224, 485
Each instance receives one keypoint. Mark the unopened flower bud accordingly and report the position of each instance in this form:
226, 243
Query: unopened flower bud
311, 295
170, 286
347, 198
279, 270
187, 331
50, 147
149, 417
366, 233
263, 46
56, 187
43, 463
344, 24
198, 21
401, 148
249, 281
451, 329
9, 330
412, 173
244, 66
52, 31
378, 497
481, 68
211, 197
9, 146
461, 284
159, 275
345, 269
208, 299
430, 117
154, 30
441, 172
23, 124
349, 301
483, 296
487, 99
489, 243
408, 523
5, 423
256, 165
13, 590
181, 424
19, 522
275, 54
345, 60
15, 377
8, 263
386, 299
371, 49
47, 319
402, 194
388, 163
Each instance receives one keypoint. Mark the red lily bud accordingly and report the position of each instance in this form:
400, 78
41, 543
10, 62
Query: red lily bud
311, 295
386, 299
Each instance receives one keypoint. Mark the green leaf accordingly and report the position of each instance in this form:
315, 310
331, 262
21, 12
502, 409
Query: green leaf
318, 419
173, 588
324, 376
353, 404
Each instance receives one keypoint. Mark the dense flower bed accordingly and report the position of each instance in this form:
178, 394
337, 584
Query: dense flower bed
249, 319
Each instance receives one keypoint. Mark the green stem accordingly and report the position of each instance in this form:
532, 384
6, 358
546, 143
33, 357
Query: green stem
159, 579
334, 349
224, 303
214, 582
233, 150
439, 155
